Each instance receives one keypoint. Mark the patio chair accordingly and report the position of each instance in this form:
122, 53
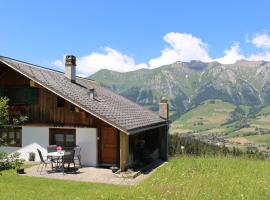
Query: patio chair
43, 163
77, 155
51, 148
68, 158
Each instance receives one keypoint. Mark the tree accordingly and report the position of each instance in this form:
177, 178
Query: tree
7, 122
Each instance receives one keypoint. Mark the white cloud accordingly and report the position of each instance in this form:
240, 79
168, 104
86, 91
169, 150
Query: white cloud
231, 55
261, 40
182, 47
110, 59
58, 63
260, 56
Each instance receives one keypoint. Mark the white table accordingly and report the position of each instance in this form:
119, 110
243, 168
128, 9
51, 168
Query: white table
58, 155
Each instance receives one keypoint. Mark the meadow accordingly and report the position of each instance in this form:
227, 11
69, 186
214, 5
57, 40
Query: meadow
214, 117
181, 178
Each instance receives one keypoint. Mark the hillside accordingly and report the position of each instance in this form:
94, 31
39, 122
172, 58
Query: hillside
181, 178
187, 84
208, 116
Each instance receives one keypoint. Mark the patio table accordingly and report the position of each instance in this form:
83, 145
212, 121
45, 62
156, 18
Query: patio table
58, 155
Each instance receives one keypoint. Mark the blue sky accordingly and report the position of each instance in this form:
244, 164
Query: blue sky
128, 35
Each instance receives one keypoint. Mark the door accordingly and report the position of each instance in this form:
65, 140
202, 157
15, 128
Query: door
108, 146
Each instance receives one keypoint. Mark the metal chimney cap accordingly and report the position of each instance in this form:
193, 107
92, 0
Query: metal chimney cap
164, 100
71, 60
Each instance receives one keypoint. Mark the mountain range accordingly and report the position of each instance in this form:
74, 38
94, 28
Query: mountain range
187, 84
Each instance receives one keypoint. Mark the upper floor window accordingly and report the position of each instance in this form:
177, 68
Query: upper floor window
20, 95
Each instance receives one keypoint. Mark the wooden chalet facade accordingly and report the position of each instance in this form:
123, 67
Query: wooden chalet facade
66, 110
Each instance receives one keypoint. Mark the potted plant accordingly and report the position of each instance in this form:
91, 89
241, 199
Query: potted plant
114, 168
32, 156
17, 162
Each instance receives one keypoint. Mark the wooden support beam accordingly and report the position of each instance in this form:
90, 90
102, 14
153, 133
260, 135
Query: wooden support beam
124, 151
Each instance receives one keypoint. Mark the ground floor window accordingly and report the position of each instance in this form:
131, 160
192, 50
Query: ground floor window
63, 137
11, 136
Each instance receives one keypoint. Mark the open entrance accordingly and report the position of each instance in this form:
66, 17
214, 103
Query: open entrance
145, 147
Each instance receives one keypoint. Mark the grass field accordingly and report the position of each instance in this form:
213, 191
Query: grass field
209, 118
204, 117
181, 178
259, 139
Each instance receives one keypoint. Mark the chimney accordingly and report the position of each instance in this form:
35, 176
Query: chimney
70, 68
164, 108
92, 93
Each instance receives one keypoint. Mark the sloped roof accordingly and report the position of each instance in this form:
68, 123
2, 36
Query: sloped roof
108, 106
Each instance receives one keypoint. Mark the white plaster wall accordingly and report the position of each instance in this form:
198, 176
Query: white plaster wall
38, 137
86, 138
32, 138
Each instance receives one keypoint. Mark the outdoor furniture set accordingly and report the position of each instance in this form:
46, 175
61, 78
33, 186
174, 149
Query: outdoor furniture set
58, 158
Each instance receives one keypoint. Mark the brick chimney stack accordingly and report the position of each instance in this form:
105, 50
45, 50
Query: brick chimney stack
70, 68
164, 108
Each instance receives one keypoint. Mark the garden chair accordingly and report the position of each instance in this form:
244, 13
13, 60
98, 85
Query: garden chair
68, 158
43, 163
52, 148
77, 155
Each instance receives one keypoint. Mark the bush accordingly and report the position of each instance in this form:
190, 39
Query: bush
10, 162
32, 156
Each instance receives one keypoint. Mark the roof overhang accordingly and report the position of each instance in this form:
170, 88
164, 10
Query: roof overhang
68, 99
146, 128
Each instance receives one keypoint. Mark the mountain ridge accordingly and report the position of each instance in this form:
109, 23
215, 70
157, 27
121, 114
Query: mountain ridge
187, 84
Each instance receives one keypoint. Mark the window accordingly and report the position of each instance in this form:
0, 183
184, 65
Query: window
20, 95
11, 136
60, 102
63, 137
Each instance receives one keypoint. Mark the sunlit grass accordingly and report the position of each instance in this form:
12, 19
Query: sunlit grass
181, 178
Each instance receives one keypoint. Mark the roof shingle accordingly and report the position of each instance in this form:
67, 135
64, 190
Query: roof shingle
110, 107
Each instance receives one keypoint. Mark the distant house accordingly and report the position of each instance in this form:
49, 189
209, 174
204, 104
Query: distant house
67, 110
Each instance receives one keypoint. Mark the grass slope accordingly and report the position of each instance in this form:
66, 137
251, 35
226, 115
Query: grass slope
208, 115
259, 139
181, 178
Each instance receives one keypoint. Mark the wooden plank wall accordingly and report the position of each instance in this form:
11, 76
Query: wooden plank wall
46, 111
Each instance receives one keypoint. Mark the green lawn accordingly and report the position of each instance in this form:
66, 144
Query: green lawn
181, 178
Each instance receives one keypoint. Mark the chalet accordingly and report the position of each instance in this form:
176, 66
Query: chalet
68, 110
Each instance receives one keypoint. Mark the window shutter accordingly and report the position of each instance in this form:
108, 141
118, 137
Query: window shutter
32, 96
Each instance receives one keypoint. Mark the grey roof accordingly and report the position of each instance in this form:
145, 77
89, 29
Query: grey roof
108, 106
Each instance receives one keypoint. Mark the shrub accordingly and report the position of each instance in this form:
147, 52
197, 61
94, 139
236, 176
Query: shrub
10, 162
32, 156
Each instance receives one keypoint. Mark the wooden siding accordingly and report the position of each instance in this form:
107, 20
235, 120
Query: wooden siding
45, 111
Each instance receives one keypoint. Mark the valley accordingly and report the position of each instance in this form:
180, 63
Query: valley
209, 100
217, 122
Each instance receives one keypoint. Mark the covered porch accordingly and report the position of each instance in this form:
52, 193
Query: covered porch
143, 148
